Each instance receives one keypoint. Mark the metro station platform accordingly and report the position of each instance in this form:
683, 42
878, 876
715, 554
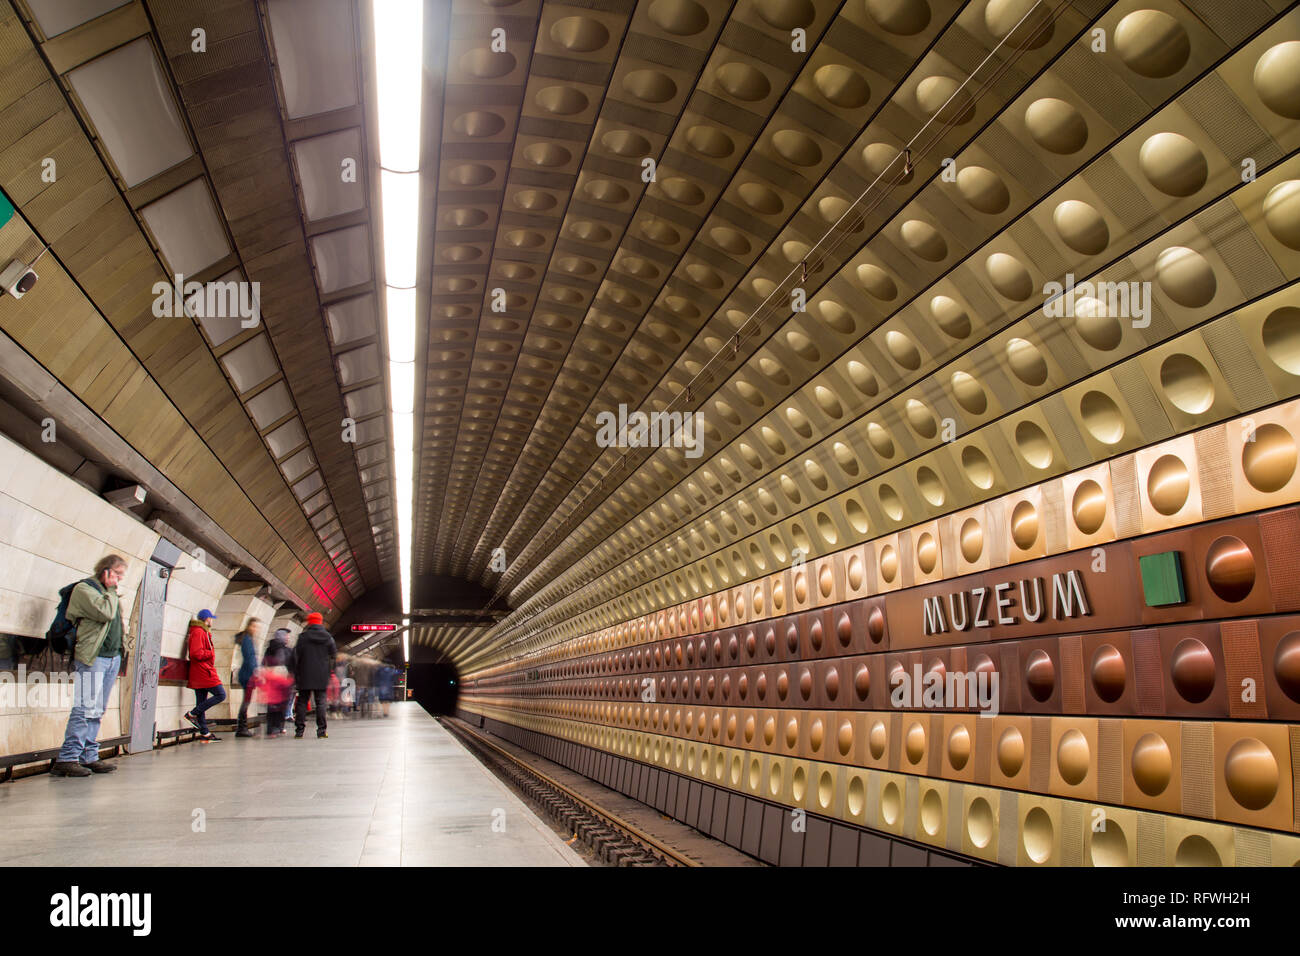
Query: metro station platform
399, 791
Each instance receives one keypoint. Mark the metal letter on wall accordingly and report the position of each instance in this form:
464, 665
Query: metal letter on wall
148, 656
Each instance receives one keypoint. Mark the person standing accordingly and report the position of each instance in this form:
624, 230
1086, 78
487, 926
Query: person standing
384, 684
247, 642
277, 680
95, 607
204, 680
314, 661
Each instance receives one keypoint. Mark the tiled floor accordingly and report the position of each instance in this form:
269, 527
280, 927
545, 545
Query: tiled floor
392, 792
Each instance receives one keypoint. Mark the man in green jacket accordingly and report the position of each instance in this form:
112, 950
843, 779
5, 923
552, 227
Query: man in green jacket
94, 605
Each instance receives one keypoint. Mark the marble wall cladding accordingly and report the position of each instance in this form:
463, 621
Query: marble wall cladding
52, 531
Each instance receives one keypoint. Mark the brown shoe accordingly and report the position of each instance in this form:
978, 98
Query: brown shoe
101, 766
68, 768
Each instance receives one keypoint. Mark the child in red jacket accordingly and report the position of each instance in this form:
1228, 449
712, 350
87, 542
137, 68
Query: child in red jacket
274, 682
204, 680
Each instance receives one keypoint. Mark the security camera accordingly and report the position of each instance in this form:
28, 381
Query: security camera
18, 279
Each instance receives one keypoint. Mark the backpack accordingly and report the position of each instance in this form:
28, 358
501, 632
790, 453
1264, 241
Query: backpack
62, 635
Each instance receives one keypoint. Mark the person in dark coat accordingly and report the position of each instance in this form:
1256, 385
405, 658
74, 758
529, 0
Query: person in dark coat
314, 663
276, 683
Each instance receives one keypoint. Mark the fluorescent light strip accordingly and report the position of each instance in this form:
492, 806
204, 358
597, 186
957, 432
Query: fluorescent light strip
401, 195
399, 68
399, 304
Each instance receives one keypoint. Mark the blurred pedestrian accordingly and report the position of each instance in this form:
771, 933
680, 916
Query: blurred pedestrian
247, 643
275, 681
384, 686
332, 693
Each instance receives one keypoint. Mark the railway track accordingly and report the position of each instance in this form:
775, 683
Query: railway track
612, 838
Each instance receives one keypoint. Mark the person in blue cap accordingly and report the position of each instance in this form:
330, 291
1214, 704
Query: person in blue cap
204, 679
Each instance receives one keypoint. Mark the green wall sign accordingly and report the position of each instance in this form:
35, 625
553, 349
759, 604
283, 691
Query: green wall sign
1162, 579
6, 209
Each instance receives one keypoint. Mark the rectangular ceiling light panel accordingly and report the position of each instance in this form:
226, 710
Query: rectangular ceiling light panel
330, 170
316, 54
309, 486
270, 406
342, 258
286, 438
358, 365
316, 502
371, 455
250, 364
299, 465
372, 429
60, 16
132, 111
351, 319
219, 328
364, 401
187, 229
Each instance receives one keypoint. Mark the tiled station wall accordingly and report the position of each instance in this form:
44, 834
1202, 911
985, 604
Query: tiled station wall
52, 531
1144, 731
1174, 724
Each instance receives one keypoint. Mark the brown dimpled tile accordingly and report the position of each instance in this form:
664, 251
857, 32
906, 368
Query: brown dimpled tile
1041, 676
1279, 643
1195, 680
1253, 775
789, 642
805, 685
783, 684
898, 683
877, 630
848, 628
816, 737
817, 633
1010, 752
877, 730
1108, 682
1075, 757
863, 680
958, 746
769, 731
1229, 564
830, 686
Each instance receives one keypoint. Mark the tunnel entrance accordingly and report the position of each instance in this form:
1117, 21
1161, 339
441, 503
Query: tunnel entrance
435, 687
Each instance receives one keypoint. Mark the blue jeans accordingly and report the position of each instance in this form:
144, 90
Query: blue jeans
91, 686
202, 702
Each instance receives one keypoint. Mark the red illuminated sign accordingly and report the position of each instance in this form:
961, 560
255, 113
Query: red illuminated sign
365, 628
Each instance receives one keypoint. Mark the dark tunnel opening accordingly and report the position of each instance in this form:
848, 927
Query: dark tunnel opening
435, 687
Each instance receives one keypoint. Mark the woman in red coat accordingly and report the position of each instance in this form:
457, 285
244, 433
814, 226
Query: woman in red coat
208, 691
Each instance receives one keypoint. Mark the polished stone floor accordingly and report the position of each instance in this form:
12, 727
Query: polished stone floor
399, 791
